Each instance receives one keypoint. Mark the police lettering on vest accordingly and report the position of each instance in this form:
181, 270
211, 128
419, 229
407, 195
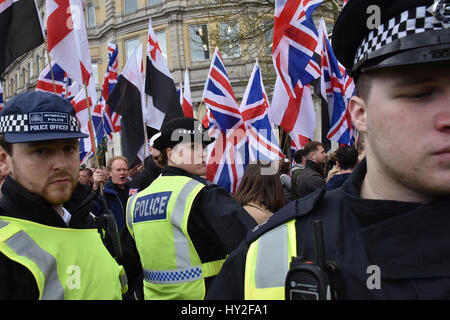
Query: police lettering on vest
151, 207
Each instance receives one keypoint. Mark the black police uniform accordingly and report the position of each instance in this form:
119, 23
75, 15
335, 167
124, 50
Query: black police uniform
382, 249
408, 242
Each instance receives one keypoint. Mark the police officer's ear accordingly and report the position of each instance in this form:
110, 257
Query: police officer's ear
358, 111
4, 160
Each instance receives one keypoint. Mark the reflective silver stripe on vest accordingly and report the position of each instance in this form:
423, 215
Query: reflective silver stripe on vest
129, 213
173, 276
22, 244
272, 255
183, 260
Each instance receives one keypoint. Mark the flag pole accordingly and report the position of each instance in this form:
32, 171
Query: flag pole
92, 134
198, 112
51, 70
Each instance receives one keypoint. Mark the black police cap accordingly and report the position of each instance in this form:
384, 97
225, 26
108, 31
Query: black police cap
39, 116
179, 130
409, 32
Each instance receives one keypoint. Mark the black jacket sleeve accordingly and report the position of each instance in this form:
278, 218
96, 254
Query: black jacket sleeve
219, 219
229, 283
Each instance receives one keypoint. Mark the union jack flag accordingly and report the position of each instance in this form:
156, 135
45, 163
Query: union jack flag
334, 87
61, 82
111, 119
228, 155
263, 144
295, 41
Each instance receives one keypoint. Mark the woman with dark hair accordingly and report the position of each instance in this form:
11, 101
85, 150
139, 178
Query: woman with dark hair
260, 194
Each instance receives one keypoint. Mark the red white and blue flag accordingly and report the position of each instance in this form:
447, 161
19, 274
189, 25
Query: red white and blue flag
60, 82
187, 100
263, 144
111, 119
228, 155
336, 89
67, 40
295, 39
87, 145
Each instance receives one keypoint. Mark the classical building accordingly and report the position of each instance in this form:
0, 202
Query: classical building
187, 31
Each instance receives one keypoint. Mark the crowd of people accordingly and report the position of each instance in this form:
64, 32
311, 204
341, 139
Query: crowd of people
350, 224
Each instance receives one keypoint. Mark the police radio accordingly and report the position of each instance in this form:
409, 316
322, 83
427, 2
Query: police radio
107, 227
306, 280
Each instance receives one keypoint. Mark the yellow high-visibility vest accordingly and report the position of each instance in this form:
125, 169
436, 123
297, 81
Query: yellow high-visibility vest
157, 219
71, 264
267, 263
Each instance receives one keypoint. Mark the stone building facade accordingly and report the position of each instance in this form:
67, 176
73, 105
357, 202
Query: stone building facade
187, 30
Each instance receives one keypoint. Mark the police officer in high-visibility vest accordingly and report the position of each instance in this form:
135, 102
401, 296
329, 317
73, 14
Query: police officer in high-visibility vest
183, 226
50, 246
385, 230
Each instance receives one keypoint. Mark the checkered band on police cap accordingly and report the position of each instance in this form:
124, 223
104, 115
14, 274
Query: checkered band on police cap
35, 122
412, 21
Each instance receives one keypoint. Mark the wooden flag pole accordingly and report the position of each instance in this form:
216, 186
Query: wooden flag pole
51, 70
198, 112
92, 133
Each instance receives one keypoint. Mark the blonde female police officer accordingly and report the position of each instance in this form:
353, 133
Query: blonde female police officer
387, 227
49, 245
183, 226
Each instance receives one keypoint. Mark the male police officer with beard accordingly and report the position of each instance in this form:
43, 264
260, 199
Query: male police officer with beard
386, 228
181, 227
50, 247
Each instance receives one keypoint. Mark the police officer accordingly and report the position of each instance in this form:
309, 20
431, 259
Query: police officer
49, 245
182, 225
386, 228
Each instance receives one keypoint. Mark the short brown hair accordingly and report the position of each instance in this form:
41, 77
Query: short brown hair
111, 160
312, 147
262, 189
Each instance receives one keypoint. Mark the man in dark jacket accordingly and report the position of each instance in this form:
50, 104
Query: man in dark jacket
386, 228
43, 203
115, 189
311, 178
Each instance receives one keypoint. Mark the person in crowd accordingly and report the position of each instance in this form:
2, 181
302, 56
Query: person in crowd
135, 169
85, 177
113, 188
386, 227
152, 169
181, 227
50, 247
312, 177
285, 178
346, 159
259, 193
299, 165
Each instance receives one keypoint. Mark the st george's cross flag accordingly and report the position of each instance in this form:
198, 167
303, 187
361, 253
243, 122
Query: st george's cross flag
67, 41
187, 100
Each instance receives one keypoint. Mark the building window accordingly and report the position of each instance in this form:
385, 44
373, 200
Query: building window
130, 5
130, 45
229, 40
95, 72
268, 36
38, 59
162, 42
90, 15
198, 38
154, 2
